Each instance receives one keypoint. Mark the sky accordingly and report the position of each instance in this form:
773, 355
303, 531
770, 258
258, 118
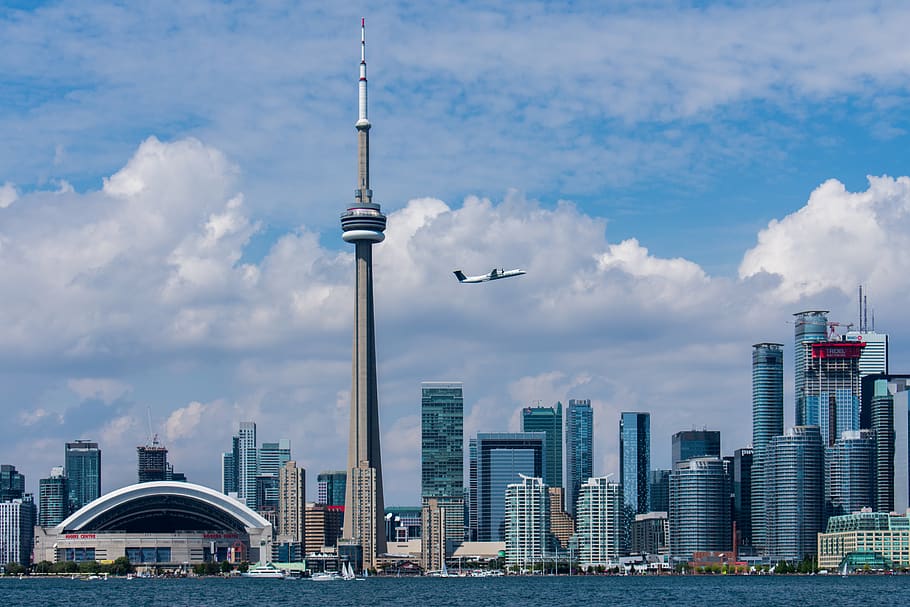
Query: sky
678, 179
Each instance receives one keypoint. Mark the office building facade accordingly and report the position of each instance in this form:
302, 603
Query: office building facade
82, 465
864, 534
549, 421
689, 444
849, 473
12, 483
809, 327
247, 464
833, 387
767, 422
502, 459
17, 531
330, 486
53, 498
743, 461
651, 533
442, 457
635, 461
579, 448
659, 482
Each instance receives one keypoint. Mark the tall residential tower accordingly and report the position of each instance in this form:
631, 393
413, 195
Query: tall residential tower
579, 448
363, 224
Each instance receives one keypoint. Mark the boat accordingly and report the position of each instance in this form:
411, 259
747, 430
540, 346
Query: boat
268, 571
325, 576
347, 572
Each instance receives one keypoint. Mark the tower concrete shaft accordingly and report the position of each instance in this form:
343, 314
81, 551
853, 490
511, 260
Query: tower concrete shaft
363, 224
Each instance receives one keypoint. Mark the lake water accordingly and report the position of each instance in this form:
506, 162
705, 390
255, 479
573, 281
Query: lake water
719, 591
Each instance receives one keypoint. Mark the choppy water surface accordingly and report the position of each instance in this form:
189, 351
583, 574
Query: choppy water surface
723, 591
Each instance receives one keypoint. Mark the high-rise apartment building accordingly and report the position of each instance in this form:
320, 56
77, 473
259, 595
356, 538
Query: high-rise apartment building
82, 464
433, 519
151, 462
699, 507
809, 327
635, 461
599, 522
247, 464
527, 522
501, 459
794, 493
323, 527
651, 533
12, 483
849, 473
767, 422
53, 498
689, 444
230, 473
832, 387
17, 531
330, 487
291, 503
549, 421
659, 488
579, 448
442, 456
883, 432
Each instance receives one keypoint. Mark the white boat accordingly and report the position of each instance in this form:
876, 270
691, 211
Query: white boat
265, 571
347, 572
325, 576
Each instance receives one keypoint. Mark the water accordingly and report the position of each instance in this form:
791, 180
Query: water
720, 591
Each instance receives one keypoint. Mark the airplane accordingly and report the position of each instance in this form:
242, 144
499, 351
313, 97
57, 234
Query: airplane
493, 275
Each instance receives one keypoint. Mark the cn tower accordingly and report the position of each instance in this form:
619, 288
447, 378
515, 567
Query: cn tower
363, 224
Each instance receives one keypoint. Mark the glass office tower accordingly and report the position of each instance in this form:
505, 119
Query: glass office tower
579, 448
501, 460
82, 465
549, 421
635, 460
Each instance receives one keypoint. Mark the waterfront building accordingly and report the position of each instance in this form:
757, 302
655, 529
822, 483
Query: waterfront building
767, 422
864, 537
442, 456
527, 522
502, 459
793, 488
151, 462
363, 225
599, 523
562, 525
579, 448
651, 533
549, 421
158, 524
659, 488
12, 483
689, 444
699, 508
17, 524
743, 461
82, 465
53, 498
433, 534
849, 473
291, 503
635, 460
809, 327
330, 487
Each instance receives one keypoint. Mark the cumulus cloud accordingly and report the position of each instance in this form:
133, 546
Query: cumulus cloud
838, 240
104, 389
8, 194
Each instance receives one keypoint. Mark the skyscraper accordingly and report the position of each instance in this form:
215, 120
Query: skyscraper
291, 502
330, 487
635, 460
794, 493
17, 531
699, 507
527, 515
659, 488
743, 461
230, 473
688, 444
599, 522
549, 421
247, 464
82, 464
767, 422
501, 460
883, 432
273, 456
810, 327
151, 462
12, 483
53, 498
442, 455
832, 387
849, 476
579, 448
363, 224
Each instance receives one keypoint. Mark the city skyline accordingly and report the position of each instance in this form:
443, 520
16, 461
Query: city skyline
179, 255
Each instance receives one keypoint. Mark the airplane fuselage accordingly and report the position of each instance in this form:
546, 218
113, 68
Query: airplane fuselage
494, 274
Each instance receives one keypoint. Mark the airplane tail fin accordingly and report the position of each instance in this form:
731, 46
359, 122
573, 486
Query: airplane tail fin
459, 275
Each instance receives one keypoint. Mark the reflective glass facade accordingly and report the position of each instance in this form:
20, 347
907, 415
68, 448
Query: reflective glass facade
501, 459
442, 439
579, 448
635, 460
82, 463
549, 421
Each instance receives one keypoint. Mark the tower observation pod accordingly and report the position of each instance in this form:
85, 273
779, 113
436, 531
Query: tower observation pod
363, 224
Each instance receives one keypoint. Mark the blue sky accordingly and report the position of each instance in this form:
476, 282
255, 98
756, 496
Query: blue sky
678, 179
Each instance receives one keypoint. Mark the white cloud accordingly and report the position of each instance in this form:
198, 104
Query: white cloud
838, 240
8, 194
184, 422
104, 389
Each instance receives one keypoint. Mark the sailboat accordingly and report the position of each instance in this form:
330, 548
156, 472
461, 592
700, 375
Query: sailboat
347, 572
